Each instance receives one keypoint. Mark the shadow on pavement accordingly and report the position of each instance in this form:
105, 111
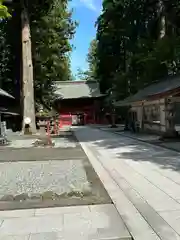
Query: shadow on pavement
128, 148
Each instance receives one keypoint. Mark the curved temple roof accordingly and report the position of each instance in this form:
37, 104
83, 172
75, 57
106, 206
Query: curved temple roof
77, 89
5, 94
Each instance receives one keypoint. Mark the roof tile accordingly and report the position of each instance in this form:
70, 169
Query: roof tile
77, 89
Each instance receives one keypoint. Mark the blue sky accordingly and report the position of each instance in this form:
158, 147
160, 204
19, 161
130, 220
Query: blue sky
85, 12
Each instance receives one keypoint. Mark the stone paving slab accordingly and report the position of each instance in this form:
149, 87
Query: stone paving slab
149, 138
172, 218
88, 222
141, 137
135, 222
39, 154
62, 210
22, 237
158, 224
144, 174
17, 214
160, 178
46, 236
24, 226
154, 196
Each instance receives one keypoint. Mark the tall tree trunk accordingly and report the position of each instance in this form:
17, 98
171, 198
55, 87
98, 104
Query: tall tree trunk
162, 20
27, 71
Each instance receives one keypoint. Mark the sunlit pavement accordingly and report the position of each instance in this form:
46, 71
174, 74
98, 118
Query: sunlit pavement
66, 223
143, 181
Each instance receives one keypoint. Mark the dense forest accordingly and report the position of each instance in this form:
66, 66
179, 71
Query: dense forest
137, 43
35, 48
51, 29
3, 11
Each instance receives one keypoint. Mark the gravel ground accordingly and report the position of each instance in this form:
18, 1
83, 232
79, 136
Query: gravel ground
35, 177
38, 177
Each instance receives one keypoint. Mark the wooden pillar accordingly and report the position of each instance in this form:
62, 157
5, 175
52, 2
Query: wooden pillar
0, 125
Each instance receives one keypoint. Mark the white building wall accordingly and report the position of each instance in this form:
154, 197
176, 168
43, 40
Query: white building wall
152, 127
161, 127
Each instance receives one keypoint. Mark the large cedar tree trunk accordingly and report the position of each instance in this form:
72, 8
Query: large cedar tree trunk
162, 20
27, 73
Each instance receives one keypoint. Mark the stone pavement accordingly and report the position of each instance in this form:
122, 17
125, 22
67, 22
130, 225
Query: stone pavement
172, 144
120, 130
96, 222
36, 179
143, 181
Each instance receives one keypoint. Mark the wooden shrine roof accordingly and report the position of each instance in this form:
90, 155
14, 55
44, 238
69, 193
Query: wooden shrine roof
165, 86
77, 89
5, 94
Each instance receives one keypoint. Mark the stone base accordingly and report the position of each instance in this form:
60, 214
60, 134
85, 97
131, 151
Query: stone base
27, 131
43, 142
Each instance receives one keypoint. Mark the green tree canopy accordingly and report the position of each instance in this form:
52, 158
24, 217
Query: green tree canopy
3, 11
52, 28
90, 73
51, 34
92, 59
137, 43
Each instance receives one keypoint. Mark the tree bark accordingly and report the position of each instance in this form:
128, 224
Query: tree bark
162, 20
27, 73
